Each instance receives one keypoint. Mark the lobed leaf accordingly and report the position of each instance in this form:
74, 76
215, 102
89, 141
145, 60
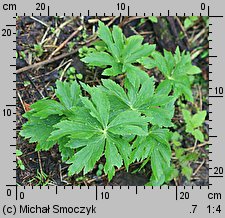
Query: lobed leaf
86, 158
38, 130
46, 107
118, 38
122, 52
198, 119
67, 93
66, 152
113, 159
99, 59
99, 105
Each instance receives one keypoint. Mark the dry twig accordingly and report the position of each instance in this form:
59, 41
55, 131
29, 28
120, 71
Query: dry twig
66, 41
42, 63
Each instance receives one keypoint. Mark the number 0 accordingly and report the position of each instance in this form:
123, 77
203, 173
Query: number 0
9, 192
203, 6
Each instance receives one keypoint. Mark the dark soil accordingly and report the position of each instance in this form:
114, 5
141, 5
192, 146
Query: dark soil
39, 82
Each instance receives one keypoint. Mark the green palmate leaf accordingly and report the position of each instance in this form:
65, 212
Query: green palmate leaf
156, 147
66, 152
164, 88
124, 149
160, 161
93, 132
68, 93
75, 129
104, 124
159, 116
114, 70
187, 171
120, 53
170, 61
146, 91
193, 70
198, 135
102, 105
134, 74
128, 118
183, 88
46, 107
89, 139
87, 157
127, 123
133, 44
198, 119
193, 123
122, 124
141, 97
46, 113
142, 148
116, 90
99, 59
128, 130
118, 38
105, 34
147, 62
186, 115
38, 130
176, 69
161, 63
134, 50
113, 158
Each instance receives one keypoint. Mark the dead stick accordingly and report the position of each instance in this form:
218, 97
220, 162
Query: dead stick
42, 63
199, 167
21, 101
39, 160
66, 41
